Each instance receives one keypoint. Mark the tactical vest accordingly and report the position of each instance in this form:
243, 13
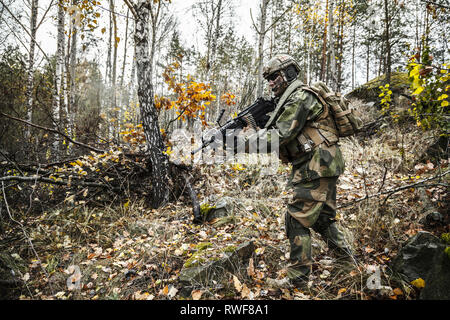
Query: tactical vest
315, 132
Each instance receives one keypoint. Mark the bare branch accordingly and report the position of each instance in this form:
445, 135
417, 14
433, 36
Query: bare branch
54, 131
390, 192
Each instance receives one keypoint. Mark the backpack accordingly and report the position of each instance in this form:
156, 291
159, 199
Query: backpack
346, 120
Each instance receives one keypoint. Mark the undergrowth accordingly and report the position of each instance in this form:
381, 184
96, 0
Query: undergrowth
125, 250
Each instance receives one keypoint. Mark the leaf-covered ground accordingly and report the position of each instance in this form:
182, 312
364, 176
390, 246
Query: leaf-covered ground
127, 251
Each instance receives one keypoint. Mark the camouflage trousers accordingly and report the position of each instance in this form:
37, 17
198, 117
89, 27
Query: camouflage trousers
313, 205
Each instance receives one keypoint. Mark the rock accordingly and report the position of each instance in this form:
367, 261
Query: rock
219, 214
436, 151
370, 91
208, 271
423, 257
10, 265
437, 283
432, 219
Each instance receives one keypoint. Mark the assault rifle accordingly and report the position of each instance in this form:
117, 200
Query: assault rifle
256, 115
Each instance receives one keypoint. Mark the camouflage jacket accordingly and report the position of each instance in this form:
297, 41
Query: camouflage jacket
297, 110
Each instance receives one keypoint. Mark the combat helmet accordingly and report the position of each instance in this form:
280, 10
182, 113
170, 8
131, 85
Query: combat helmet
284, 63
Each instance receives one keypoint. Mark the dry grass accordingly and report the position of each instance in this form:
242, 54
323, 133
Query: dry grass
127, 251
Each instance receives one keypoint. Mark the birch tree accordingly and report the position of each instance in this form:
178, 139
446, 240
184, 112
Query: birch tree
59, 72
262, 30
30, 71
155, 146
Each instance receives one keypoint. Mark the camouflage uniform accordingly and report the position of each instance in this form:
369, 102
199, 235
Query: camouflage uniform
313, 178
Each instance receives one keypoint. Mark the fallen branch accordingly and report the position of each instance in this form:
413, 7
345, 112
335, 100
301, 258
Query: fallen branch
54, 131
57, 182
27, 237
392, 191
193, 196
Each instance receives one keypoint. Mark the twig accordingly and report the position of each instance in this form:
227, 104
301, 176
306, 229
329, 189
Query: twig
25, 29
37, 178
25, 234
392, 191
384, 178
436, 4
54, 131
193, 196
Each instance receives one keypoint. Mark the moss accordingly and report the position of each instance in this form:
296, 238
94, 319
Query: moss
446, 237
203, 245
447, 252
205, 209
193, 261
370, 90
196, 258
231, 248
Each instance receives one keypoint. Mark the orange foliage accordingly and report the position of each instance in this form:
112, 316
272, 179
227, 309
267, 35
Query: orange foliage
192, 96
228, 99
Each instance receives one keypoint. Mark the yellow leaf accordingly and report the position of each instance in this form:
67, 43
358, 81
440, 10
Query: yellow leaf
444, 103
126, 204
165, 291
418, 90
103, 30
418, 283
341, 291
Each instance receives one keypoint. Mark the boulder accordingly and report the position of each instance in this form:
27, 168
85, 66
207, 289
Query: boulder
219, 214
424, 256
206, 270
369, 92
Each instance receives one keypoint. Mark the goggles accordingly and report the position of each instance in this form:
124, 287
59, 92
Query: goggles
273, 76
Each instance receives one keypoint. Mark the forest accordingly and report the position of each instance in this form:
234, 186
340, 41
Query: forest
102, 104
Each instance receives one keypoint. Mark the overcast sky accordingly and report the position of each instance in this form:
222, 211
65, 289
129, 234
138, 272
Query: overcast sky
190, 33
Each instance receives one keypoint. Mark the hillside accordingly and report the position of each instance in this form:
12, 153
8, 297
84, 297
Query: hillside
125, 250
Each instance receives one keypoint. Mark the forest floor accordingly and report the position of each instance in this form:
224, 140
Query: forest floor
128, 251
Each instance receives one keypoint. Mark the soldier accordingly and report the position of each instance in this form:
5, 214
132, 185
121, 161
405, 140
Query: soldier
308, 140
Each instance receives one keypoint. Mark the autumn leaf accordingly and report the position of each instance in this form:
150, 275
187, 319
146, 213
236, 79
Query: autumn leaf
165, 290
237, 284
398, 291
418, 283
341, 291
196, 294
251, 268
245, 293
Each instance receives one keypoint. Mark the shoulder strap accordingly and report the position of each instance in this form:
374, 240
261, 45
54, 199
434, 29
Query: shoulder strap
292, 87
325, 111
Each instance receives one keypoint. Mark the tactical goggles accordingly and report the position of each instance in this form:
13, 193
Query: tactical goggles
273, 76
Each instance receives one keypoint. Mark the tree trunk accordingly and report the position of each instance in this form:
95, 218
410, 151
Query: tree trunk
387, 42
262, 34
324, 45
333, 79
353, 55
155, 146
113, 106
73, 62
216, 33
59, 66
125, 50
30, 71
340, 44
